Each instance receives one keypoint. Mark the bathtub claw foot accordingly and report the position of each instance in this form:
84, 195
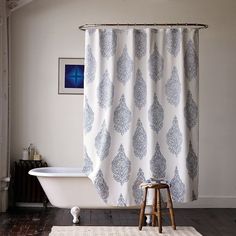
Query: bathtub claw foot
75, 213
148, 217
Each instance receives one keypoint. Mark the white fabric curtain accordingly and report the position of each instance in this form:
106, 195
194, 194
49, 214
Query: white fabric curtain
4, 160
141, 111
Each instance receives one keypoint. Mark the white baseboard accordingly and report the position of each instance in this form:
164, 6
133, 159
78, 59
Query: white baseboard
202, 202
210, 202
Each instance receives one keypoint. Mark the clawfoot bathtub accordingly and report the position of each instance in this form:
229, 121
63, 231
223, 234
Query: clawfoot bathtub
69, 188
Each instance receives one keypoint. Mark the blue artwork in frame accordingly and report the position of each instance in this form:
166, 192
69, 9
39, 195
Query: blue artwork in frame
71, 75
74, 76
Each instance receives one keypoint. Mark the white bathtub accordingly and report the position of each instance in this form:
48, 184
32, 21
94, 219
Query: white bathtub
68, 187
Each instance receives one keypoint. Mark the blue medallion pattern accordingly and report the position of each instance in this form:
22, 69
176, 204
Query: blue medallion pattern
141, 86
140, 141
154, 31
90, 66
140, 90
156, 65
156, 115
108, 42
191, 111
192, 162
158, 164
191, 62
174, 137
177, 187
121, 201
121, 166
101, 186
173, 88
103, 142
105, 91
137, 191
88, 116
125, 67
88, 164
173, 37
140, 39
122, 117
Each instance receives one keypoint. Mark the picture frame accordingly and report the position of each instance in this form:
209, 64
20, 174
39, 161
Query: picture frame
70, 75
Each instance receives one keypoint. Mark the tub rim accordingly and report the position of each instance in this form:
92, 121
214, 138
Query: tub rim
58, 172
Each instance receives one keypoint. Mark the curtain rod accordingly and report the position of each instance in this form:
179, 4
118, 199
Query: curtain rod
193, 25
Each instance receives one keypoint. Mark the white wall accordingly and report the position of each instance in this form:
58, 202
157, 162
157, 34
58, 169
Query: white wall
44, 30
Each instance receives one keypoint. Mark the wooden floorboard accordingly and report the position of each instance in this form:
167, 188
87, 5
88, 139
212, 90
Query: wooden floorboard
38, 221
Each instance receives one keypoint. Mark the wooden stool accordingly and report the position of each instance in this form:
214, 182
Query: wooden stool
156, 207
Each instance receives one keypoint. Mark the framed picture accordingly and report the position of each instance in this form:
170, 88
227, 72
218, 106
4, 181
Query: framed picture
70, 75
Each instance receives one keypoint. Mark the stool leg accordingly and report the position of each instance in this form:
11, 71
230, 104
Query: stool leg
154, 208
171, 210
159, 211
142, 211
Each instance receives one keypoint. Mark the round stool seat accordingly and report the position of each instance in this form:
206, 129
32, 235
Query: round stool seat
154, 185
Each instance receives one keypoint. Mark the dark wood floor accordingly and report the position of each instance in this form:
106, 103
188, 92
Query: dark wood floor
38, 221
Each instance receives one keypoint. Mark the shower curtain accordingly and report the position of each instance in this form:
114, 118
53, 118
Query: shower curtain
141, 111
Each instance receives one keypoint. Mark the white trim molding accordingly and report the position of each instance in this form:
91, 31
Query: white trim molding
4, 105
210, 202
15, 4
202, 202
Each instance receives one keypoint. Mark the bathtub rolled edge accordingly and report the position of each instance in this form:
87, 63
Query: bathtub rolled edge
57, 172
